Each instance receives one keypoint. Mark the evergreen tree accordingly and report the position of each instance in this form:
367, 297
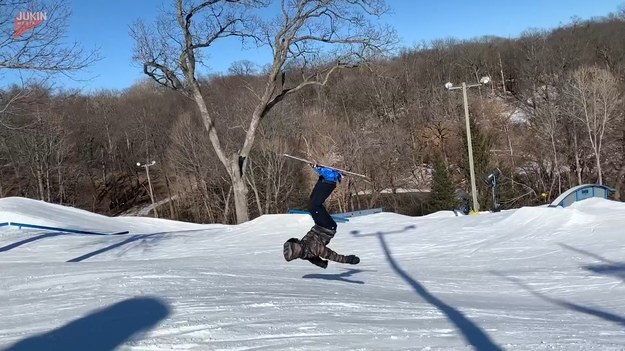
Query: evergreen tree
442, 196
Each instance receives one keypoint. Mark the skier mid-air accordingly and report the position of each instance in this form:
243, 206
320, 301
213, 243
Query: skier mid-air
313, 246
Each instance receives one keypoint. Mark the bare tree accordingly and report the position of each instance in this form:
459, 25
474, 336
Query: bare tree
546, 123
188, 154
620, 177
43, 47
243, 68
41, 146
596, 97
316, 37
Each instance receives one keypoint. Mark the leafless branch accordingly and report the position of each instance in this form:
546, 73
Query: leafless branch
41, 48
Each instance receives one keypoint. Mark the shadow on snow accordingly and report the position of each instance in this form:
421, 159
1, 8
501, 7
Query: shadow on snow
357, 233
144, 238
101, 330
471, 332
616, 269
337, 277
26, 241
610, 317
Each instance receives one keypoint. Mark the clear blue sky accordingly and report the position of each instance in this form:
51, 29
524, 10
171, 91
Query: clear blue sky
105, 24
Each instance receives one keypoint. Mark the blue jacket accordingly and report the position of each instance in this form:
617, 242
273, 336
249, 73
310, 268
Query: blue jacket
328, 174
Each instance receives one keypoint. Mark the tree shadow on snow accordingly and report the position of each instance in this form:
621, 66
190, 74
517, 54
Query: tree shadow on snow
44, 236
357, 233
616, 269
101, 330
338, 277
610, 317
26, 241
471, 332
144, 238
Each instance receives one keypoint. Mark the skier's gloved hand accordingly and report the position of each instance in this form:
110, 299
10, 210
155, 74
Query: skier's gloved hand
353, 259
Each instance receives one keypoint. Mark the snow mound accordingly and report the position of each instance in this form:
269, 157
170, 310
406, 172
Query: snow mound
41, 213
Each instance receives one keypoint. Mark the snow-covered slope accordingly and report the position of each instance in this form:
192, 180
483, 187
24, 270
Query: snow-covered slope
528, 279
22, 210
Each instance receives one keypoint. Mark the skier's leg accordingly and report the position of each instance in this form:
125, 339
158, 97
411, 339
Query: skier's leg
320, 215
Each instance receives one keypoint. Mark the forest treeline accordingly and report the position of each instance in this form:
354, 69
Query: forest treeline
552, 117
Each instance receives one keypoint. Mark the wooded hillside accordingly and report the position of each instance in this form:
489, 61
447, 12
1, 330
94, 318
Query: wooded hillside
552, 118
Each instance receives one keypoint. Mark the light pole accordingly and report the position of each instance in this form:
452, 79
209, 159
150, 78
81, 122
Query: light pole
450, 86
147, 172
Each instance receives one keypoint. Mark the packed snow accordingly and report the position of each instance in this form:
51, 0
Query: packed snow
535, 278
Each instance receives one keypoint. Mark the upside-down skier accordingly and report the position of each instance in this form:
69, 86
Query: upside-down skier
313, 246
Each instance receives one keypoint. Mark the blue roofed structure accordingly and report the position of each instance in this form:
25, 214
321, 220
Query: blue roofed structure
581, 192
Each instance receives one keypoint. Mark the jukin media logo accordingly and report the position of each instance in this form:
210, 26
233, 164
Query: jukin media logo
26, 20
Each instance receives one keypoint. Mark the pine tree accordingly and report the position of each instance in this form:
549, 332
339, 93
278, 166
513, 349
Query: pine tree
442, 196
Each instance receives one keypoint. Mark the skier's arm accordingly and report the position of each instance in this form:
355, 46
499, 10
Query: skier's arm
318, 262
316, 247
328, 254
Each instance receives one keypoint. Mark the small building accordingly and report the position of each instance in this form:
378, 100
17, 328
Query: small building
581, 192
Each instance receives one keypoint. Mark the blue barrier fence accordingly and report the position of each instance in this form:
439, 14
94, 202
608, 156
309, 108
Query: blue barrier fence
65, 230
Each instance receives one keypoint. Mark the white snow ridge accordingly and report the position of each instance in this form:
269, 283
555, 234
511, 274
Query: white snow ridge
535, 278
